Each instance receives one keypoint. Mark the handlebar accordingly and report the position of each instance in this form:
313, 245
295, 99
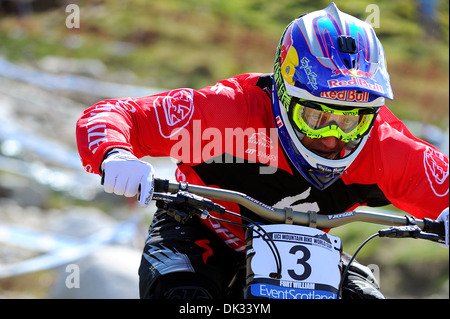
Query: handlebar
312, 219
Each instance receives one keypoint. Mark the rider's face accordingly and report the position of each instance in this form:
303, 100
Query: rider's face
327, 147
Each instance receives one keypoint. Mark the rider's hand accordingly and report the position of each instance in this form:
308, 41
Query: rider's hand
124, 174
443, 217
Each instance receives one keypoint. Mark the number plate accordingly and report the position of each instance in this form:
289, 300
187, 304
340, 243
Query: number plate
309, 267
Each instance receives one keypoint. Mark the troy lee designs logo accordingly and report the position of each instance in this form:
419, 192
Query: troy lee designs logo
436, 168
175, 111
311, 75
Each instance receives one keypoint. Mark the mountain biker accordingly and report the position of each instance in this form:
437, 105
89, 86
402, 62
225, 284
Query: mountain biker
315, 135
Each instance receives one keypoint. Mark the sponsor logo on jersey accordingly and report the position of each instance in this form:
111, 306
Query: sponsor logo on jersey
174, 111
261, 139
96, 123
436, 169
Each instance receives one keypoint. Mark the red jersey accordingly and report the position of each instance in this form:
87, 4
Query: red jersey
224, 136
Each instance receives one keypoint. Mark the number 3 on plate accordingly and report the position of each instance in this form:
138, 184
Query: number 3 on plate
301, 261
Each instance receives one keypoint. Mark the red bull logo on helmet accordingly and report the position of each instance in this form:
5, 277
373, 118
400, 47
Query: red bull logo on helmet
350, 95
355, 82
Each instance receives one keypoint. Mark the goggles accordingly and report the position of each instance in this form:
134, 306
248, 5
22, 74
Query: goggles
317, 120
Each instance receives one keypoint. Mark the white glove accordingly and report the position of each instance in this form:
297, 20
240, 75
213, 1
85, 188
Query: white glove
443, 217
124, 174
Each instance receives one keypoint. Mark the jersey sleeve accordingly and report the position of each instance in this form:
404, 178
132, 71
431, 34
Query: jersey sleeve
172, 123
412, 174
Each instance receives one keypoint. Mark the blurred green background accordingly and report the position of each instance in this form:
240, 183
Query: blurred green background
194, 43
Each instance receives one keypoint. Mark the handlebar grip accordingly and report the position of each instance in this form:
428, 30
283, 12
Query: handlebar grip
434, 227
161, 185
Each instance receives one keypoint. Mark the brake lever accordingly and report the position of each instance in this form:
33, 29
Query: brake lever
410, 231
181, 213
201, 203
183, 205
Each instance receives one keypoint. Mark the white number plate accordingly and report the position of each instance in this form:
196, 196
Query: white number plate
310, 263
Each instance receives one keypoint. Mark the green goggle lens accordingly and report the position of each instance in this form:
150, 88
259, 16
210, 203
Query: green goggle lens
319, 120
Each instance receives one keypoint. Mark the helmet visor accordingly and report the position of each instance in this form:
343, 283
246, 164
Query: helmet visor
317, 120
